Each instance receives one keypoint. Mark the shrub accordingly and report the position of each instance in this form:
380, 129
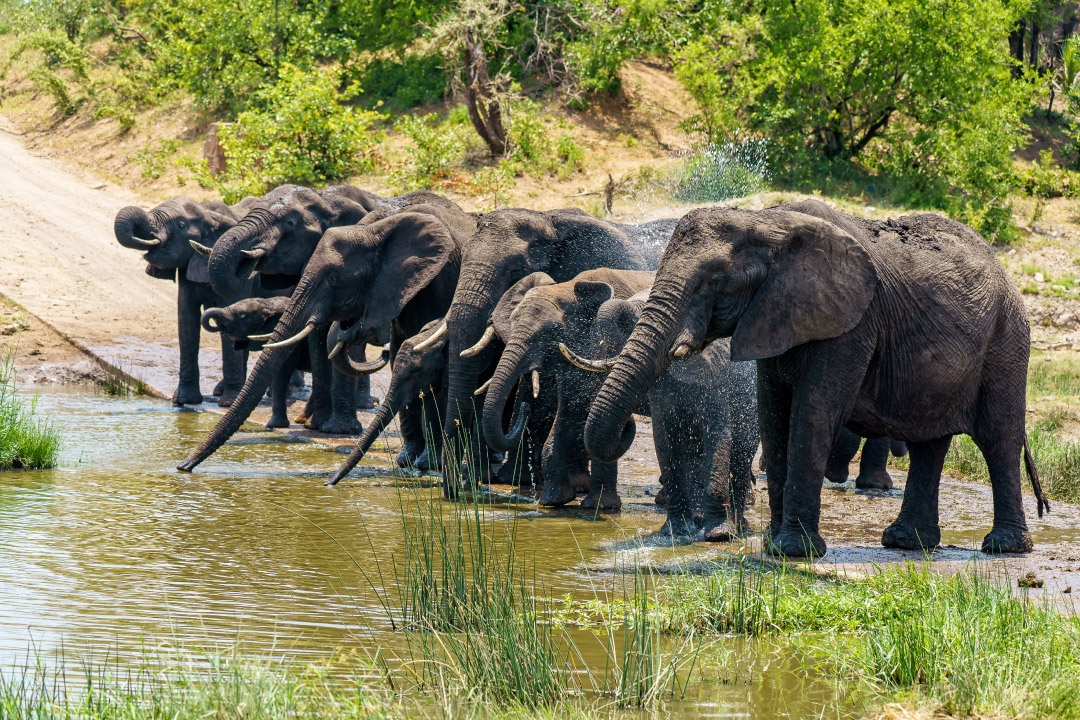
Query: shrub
303, 134
717, 171
402, 84
434, 150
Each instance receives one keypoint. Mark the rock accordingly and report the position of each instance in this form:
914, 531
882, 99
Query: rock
13, 328
1029, 580
1039, 277
1065, 318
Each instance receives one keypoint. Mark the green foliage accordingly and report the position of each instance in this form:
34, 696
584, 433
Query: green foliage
403, 83
1045, 179
718, 171
302, 133
25, 441
155, 162
434, 150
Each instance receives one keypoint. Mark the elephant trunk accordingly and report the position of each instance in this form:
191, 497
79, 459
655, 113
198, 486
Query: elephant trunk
136, 229
344, 364
229, 269
374, 429
213, 320
609, 429
303, 310
513, 364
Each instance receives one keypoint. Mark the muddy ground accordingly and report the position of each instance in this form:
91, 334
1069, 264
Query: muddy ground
74, 301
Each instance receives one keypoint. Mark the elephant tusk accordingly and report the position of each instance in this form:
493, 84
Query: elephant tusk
293, 340
200, 248
435, 337
260, 338
682, 350
483, 343
536, 383
148, 243
577, 361
483, 388
253, 254
337, 348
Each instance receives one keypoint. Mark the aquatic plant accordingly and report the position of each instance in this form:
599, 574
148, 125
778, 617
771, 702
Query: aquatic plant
117, 382
25, 440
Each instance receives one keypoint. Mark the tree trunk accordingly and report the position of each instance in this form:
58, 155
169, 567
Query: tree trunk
1033, 48
480, 97
1016, 47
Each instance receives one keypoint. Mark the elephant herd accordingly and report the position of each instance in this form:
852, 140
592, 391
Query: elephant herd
523, 343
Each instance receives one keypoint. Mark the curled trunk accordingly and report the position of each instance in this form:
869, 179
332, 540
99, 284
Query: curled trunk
344, 364
513, 365
217, 315
133, 226
229, 268
270, 361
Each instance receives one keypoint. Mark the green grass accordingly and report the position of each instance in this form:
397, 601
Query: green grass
25, 440
960, 643
119, 383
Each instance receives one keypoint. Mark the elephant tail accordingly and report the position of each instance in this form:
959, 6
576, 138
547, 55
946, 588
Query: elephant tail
1033, 475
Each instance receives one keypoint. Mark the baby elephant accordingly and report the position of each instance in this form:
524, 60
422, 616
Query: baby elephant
875, 456
704, 414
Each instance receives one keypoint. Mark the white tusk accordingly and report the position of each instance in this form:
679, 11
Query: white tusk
536, 383
337, 348
293, 340
149, 243
484, 340
483, 388
682, 350
200, 248
435, 337
602, 366
253, 254
261, 338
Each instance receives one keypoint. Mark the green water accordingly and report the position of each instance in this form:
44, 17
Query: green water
115, 550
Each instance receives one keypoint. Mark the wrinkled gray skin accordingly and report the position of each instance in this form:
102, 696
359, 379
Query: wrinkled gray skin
508, 245
399, 271
534, 316
164, 234
419, 378
873, 474
282, 229
907, 328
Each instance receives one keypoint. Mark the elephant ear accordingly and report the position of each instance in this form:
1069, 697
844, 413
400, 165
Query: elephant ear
198, 268
591, 294
500, 318
413, 249
161, 273
578, 231
818, 285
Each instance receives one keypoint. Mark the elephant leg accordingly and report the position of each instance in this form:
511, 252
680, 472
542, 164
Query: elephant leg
188, 314
411, 421
364, 400
873, 474
917, 526
558, 490
279, 416
342, 420
233, 370
319, 405
721, 522
297, 379
1002, 451
774, 419
603, 495
843, 450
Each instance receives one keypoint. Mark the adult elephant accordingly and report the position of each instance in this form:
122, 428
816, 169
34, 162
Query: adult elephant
275, 240
508, 245
165, 234
399, 271
908, 328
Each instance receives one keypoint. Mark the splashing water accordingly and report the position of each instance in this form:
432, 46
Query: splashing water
712, 172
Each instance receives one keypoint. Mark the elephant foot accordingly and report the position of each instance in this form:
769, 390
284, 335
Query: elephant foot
580, 481
341, 425
219, 388
603, 499
316, 420
796, 542
661, 497
905, 535
228, 397
722, 528
1007, 540
557, 494
409, 455
277, 421
678, 526
425, 461
366, 402
510, 475
187, 396
877, 480
836, 474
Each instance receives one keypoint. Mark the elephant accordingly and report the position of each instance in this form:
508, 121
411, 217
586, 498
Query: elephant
534, 317
275, 240
419, 377
510, 244
247, 322
399, 270
908, 328
164, 234
875, 456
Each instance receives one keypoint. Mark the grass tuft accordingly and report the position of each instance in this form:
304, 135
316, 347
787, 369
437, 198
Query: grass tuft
116, 382
25, 441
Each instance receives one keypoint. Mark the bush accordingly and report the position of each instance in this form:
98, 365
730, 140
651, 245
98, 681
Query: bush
717, 171
434, 150
402, 84
25, 441
303, 134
